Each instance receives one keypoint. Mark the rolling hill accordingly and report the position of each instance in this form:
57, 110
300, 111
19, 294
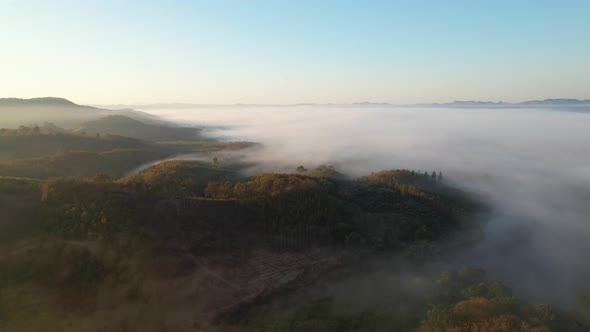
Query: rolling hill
125, 126
15, 112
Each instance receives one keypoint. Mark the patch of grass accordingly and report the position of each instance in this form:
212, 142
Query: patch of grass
81, 163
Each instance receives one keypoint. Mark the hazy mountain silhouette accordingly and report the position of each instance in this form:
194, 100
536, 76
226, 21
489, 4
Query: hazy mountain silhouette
15, 112
559, 102
42, 101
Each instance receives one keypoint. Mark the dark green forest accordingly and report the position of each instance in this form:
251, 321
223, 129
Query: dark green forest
87, 237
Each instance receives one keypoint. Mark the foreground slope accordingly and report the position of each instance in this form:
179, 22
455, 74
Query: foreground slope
185, 246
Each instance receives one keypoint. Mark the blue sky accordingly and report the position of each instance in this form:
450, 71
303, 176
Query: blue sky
294, 51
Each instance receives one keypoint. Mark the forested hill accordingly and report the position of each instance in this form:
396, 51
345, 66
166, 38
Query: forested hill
125, 126
113, 145
314, 207
42, 101
198, 244
15, 112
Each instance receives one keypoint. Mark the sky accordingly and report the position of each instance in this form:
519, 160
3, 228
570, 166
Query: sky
256, 51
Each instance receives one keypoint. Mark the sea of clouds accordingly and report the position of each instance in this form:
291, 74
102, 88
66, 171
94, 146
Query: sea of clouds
532, 165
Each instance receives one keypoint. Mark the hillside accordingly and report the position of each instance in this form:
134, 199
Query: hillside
15, 112
42, 153
115, 163
42, 101
190, 245
31, 146
125, 126
181, 177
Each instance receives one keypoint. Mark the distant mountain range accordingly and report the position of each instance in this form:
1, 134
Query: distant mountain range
529, 103
64, 105
561, 102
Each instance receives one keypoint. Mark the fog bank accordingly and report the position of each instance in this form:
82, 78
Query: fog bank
532, 164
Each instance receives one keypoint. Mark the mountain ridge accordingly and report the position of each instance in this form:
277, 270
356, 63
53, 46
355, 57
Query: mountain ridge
63, 102
551, 102
61, 111
38, 101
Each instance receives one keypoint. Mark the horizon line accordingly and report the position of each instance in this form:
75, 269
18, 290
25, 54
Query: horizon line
546, 101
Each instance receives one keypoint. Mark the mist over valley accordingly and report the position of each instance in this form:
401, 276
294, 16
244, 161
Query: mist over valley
530, 164
294, 166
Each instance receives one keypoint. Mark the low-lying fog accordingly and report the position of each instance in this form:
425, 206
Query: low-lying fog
532, 164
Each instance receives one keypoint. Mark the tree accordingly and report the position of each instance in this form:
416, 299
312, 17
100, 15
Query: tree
215, 162
440, 176
97, 135
301, 169
433, 176
23, 130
